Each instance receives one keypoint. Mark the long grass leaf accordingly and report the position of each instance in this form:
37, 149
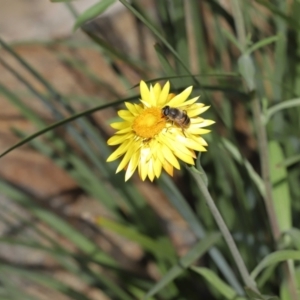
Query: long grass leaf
93, 11
194, 254
186, 212
275, 258
216, 282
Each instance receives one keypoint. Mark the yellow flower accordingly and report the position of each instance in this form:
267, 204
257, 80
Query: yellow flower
150, 141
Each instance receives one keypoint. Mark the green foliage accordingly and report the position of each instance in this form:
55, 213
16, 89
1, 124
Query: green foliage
250, 78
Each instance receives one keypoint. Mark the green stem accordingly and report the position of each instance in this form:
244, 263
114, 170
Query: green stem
265, 168
249, 282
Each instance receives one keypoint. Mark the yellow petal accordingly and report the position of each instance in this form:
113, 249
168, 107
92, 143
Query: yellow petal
125, 130
170, 157
131, 107
196, 111
196, 144
120, 125
151, 100
164, 95
151, 174
189, 103
118, 139
157, 91
126, 115
205, 123
130, 152
145, 93
157, 166
138, 107
184, 157
197, 131
180, 98
168, 167
146, 103
132, 165
143, 170
119, 151
177, 144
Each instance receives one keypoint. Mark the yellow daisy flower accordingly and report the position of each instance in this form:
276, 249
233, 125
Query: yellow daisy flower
157, 132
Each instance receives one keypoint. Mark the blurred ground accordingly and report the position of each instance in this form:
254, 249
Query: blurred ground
40, 20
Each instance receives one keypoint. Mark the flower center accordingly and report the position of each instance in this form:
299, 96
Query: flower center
149, 123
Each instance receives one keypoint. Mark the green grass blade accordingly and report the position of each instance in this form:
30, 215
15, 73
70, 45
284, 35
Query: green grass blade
60, 123
194, 254
188, 215
93, 11
275, 258
281, 196
280, 106
294, 233
262, 43
237, 156
216, 282
59, 225
160, 248
46, 281
157, 34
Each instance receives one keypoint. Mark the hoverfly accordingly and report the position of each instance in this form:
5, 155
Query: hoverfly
177, 116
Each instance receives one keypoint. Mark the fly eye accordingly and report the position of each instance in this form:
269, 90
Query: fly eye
166, 110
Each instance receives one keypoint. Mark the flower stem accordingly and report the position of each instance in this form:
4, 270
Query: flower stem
249, 282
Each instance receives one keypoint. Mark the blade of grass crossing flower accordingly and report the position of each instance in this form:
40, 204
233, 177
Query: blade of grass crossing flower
92, 12
215, 282
98, 190
193, 255
188, 215
77, 168
80, 139
57, 124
